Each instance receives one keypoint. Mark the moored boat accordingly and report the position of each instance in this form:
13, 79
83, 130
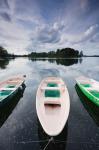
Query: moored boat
52, 105
10, 87
90, 88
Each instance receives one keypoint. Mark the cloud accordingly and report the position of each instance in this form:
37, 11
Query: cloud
52, 37
5, 16
49, 34
95, 38
82, 37
45, 25
92, 30
4, 4
84, 4
13, 37
28, 11
46, 37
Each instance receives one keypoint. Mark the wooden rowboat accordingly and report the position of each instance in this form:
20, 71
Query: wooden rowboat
52, 105
90, 88
10, 87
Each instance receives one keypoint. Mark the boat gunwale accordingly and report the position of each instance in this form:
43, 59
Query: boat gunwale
87, 91
12, 90
65, 87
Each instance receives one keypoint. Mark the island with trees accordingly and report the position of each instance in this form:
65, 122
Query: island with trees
4, 53
60, 53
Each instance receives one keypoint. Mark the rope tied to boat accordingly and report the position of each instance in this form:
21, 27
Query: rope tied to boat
50, 140
36, 141
47, 140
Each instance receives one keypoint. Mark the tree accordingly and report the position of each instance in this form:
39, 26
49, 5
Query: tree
3, 52
81, 54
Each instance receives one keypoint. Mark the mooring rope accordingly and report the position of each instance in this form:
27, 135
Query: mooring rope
64, 141
50, 140
27, 142
36, 141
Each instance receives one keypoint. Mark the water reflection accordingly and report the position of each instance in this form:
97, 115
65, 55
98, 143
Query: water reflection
58, 61
68, 62
7, 108
21, 128
91, 108
59, 142
4, 63
65, 62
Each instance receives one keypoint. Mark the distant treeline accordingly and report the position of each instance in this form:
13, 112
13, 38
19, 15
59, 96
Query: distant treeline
4, 53
60, 53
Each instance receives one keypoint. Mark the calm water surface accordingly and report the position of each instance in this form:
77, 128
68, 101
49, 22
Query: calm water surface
19, 126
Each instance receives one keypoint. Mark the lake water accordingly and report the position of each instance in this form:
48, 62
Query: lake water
19, 126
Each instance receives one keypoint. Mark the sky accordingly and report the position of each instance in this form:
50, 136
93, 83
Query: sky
45, 25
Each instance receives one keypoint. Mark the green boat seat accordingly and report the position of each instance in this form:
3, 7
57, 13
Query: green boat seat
5, 92
95, 93
52, 84
10, 86
52, 93
86, 85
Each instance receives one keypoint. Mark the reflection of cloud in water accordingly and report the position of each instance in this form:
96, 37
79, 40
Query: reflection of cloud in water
42, 69
96, 68
49, 72
59, 61
22, 124
47, 69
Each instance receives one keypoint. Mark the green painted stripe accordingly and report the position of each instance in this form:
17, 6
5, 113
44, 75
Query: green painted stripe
10, 86
2, 97
5, 92
89, 95
85, 85
95, 93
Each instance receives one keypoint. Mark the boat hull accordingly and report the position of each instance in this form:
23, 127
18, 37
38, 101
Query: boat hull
85, 91
14, 91
52, 117
7, 99
90, 97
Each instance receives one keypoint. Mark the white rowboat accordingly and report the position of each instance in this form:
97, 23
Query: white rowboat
52, 105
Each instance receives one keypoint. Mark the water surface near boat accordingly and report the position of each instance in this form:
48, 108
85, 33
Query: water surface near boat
21, 130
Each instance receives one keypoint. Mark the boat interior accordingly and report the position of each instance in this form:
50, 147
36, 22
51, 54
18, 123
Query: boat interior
8, 86
92, 87
52, 91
